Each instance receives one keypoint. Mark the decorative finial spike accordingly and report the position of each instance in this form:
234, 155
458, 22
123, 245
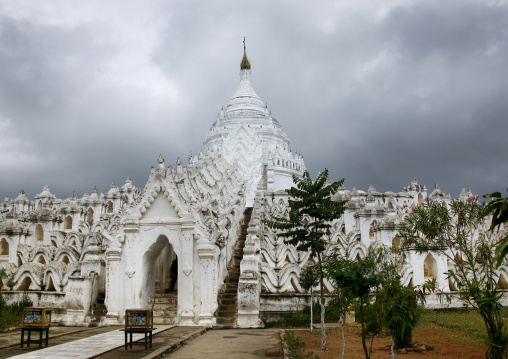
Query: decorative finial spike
245, 64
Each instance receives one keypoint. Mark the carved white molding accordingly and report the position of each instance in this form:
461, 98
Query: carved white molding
243, 148
130, 272
187, 270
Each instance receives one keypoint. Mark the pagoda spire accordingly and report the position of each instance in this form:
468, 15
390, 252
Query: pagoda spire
245, 64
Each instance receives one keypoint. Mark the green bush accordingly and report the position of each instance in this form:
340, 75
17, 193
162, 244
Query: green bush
3, 304
396, 308
302, 318
295, 347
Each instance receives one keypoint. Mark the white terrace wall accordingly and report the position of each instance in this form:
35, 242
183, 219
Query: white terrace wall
371, 220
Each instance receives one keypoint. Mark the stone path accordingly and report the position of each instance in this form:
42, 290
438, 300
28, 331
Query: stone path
84, 348
232, 343
168, 341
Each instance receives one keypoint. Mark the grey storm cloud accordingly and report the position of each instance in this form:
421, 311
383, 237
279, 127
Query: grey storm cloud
91, 93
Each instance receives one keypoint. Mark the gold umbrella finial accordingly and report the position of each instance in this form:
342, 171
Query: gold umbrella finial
245, 62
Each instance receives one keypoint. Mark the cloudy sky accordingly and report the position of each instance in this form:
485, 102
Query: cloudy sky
376, 91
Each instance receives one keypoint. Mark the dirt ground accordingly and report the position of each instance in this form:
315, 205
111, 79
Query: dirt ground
446, 343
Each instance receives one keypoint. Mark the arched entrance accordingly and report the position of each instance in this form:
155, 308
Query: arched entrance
430, 268
157, 268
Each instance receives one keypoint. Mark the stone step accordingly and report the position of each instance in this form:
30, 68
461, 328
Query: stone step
221, 320
230, 293
99, 313
163, 307
228, 300
164, 312
166, 295
226, 315
163, 320
162, 300
228, 307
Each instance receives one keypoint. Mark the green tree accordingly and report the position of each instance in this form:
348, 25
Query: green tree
358, 279
311, 211
308, 280
341, 302
458, 232
498, 208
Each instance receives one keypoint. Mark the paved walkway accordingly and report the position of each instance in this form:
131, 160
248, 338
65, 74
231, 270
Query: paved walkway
232, 343
172, 342
86, 347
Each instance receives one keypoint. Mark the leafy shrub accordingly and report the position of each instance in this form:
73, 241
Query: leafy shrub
10, 315
397, 308
295, 347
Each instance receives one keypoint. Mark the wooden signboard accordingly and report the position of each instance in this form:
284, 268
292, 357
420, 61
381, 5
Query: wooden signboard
138, 318
36, 317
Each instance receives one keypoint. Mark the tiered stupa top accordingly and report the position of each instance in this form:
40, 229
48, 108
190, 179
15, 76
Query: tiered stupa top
245, 105
252, 140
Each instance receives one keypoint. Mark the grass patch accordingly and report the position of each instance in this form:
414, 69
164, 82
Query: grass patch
10, 315
467, 321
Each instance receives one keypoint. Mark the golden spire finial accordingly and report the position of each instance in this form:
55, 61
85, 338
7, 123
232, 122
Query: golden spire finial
245, 64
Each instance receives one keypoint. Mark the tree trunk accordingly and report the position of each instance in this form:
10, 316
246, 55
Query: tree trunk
311, 311
322, 302
323, 328
393, 353
343, 336
364, 344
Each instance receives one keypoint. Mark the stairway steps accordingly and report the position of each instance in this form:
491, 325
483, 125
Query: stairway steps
98, 311
164, 306
227, 310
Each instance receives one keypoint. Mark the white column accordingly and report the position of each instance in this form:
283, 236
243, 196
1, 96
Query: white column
130, 280
207, 258
249, 284
185, 276
113, 256
249, 287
